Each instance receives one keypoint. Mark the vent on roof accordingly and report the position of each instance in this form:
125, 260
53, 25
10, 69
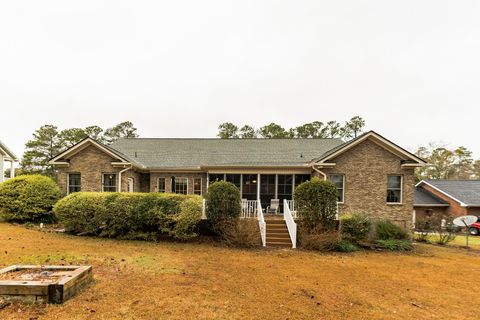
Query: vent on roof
135, 154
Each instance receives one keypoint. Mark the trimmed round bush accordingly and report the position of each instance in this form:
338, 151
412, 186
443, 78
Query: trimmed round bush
355, 226
222, 203
143, 216
28, 198
316, 202
387, 230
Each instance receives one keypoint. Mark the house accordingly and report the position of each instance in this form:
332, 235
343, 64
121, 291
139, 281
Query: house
447, 198
372, 174
6, 156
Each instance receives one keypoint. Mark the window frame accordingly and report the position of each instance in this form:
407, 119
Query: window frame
186, 187
164, 184
69, 185
343, 185
193, 188
103, 182
396, 189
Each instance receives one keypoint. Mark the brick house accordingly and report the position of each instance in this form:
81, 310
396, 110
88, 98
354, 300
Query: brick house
372, 174
447, 197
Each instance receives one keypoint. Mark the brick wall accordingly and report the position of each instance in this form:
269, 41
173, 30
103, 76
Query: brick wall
366, 167
155, 175
91, 163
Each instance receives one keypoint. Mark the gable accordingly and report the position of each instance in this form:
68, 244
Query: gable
407, 158
87, 146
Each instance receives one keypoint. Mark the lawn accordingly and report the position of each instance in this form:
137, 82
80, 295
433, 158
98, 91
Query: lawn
140, 280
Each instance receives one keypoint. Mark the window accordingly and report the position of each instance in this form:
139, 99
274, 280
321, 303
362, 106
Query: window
235, 179
338, 181
181, 185
394, 189
109, 182
161, 185
215, 177
301, 178
74, 182
249, 186
197, 186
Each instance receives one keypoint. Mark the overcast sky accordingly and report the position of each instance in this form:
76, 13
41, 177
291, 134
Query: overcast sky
179, 68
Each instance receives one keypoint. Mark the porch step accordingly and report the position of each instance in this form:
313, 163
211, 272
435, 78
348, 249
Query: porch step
277, 233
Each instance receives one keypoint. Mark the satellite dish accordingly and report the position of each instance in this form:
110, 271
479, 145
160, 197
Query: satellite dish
464, 221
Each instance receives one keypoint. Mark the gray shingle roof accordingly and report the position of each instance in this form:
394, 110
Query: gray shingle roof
423, 197
193, 153
467, 191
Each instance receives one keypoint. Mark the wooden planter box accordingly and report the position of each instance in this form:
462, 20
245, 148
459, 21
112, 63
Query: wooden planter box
43, 284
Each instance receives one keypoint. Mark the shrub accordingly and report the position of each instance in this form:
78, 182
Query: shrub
446, 234
28, 198
387, 230
394, 244
355, 226
222, 203
346, 246
322, 240
186, 221
240, 232
81, 212
143, 216
316, 203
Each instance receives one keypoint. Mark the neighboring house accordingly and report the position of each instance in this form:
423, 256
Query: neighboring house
371, 173
447, 197
6, 156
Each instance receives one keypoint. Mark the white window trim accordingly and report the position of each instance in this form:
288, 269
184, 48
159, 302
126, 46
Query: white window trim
164, 184
103, 181
176, 179
201, 186
68, 181
343, 186
401, 189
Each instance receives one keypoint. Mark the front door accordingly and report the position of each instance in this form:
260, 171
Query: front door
130, 184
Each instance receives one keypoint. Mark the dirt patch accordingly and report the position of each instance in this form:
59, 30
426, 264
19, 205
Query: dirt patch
33, 275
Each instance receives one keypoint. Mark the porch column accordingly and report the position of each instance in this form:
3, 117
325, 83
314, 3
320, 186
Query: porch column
258, 186
12, 169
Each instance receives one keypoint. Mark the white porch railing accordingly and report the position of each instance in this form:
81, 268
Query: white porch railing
290, 222
291, 205
262, 224
249, 209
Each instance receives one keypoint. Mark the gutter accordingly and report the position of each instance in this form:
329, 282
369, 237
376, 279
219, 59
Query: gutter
321, 172
120, 177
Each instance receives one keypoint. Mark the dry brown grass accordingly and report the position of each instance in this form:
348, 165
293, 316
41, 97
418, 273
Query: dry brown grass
140, 280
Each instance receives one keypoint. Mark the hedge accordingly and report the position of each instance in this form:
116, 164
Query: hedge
144, 216
28, 198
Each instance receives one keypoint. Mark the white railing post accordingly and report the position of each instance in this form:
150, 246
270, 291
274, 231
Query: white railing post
261, 223
290, 222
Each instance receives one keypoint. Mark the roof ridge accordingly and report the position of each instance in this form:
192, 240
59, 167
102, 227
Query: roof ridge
229, 139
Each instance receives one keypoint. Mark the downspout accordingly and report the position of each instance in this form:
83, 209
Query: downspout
323, 174
120, 177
